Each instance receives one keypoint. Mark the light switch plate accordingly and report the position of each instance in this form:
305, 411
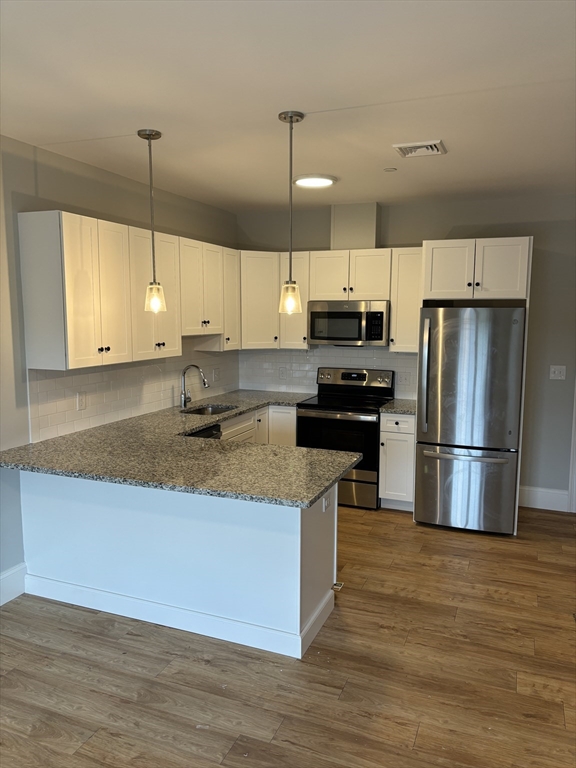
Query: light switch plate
80, 401
282, 373
216, 374
558, 372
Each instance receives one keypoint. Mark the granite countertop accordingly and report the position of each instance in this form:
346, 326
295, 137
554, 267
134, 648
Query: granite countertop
151, 451
404, 407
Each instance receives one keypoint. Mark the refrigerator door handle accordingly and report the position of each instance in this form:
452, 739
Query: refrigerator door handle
455, 457
425, 375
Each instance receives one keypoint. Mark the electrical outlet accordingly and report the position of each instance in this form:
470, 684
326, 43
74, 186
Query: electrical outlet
80, 401
558, 372
216, 374
282, 373
403, 379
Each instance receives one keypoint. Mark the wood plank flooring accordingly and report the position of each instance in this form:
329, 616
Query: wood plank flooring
445, 650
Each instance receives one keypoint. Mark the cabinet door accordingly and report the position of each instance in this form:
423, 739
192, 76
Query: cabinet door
293, 327
502, 267
114, 257
82, 290
260, 281
370, 274
281, 425
405, 299
191, 287
396, 466
231, 266
261, 426
213, 288
448, 269
143, 326
169, 324
329, 275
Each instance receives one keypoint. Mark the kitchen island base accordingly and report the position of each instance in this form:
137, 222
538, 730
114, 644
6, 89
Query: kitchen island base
251, 573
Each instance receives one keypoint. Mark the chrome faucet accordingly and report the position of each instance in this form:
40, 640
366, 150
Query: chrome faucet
185, 394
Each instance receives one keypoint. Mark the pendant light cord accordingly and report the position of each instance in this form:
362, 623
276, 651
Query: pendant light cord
290, 203
152, 209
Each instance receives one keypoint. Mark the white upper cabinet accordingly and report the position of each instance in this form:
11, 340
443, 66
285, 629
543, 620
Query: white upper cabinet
202, 294
155, 335
449, 269
231, 298
293, 328
75, 289
114, 256
502, 267
369, 274
358, 275
329, 275
405, 299
493, 268
260, 281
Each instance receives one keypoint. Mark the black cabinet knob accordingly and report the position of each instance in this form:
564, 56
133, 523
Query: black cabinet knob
344, 289
100, 350
382, 444
275, 338
391, 341
160, 343
477, 285
227, 338
207, 322
258, 420
351, 289
303, 338
106, 349
469, 285
397, 423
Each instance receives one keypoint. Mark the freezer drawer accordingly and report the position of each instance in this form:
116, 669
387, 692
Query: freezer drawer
466, 488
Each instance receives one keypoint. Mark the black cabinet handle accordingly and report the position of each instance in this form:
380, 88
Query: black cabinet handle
382, 444
303, 338
207, 322
469, 285
160, 343
106, 349
477, 285
258, 420
351, 289
391, 341
227, 338
275, 338
100, 350
397, 423
163, 344
344, 289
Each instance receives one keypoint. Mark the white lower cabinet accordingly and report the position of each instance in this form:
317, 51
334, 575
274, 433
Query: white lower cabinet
281, 425
397, 449
242, 429
261, 418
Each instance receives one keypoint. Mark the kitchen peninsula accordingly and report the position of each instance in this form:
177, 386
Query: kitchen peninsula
232, 540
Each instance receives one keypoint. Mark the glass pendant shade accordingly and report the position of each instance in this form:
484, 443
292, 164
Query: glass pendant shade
290, 298
155, 301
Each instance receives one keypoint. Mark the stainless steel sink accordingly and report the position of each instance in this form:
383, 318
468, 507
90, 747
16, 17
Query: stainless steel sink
208, 410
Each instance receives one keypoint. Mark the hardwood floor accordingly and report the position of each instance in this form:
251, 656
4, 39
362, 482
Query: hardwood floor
445, 649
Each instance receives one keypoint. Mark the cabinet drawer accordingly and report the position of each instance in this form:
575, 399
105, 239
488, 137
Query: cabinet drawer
397, 423
235, 427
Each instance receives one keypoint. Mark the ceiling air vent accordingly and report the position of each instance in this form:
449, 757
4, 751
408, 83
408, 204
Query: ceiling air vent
420, 149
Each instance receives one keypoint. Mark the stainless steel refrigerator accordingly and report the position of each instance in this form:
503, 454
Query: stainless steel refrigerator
468, 425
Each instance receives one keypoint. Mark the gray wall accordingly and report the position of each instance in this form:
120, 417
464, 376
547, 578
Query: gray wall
33, 179
552, 328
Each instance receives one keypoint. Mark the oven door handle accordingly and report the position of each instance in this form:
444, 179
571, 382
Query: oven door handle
342, 416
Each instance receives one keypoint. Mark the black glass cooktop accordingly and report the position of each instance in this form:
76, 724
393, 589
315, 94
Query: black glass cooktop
360, 404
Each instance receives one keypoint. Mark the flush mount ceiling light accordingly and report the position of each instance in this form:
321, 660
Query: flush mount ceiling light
155, 301
315, 180
290, 296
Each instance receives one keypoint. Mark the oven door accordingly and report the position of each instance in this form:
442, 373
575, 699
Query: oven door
339, 431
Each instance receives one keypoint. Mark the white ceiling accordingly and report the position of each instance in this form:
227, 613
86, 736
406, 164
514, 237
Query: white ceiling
495, 79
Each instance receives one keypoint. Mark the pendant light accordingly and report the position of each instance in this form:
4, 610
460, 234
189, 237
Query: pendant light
290, 296
155, 301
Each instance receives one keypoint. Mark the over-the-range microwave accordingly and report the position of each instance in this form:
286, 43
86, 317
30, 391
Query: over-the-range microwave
348, 323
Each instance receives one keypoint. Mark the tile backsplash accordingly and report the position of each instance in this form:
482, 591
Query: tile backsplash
117, 392
295, 370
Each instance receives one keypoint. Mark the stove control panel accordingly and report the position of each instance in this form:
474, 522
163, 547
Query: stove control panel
361, 377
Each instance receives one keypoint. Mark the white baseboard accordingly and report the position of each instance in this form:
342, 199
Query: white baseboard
12, 583
543, 498
190, 621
